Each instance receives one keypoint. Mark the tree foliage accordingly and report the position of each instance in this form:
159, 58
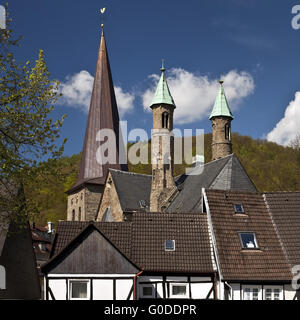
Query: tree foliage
27, 133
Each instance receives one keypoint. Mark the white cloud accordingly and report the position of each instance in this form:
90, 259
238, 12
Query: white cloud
194, 95
77, 90
288, 127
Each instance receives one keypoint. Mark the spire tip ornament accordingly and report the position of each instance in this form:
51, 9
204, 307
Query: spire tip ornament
102, 11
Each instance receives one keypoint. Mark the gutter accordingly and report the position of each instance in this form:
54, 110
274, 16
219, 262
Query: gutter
213, 241
227, 284
134, 283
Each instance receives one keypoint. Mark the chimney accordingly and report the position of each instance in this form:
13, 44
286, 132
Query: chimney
50, 227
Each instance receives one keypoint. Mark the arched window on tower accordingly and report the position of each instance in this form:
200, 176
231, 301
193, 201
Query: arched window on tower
227, 132
73, 215
165, 120
79, 214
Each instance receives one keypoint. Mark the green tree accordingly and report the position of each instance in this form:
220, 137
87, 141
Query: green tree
27, 133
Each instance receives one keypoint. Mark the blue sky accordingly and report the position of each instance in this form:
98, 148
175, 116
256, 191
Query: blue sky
251, 43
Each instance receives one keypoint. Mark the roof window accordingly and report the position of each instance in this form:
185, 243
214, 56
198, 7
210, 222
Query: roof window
248, 240
170, 245
239, 208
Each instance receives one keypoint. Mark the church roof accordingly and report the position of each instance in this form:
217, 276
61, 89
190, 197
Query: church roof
162, 93
132, 188
103, 114
221, 107
226, 174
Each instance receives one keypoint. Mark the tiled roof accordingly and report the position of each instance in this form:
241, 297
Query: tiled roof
192, 246
285, 211
142, 241
267, 263
225, 174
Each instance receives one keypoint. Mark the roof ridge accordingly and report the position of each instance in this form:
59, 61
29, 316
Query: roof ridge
130, 173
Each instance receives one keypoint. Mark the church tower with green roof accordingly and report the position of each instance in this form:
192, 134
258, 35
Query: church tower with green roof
221, 118
162, 146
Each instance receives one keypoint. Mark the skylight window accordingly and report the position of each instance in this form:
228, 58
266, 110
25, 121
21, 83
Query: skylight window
248, 240
239, 208
169, 245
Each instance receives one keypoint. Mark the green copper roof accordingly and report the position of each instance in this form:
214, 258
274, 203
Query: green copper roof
221, 107
162, 94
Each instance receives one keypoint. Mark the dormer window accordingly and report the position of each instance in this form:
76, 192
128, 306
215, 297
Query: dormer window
248, 240
170, 245
238, 208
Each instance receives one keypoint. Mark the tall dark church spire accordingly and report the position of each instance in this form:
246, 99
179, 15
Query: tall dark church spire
103, 114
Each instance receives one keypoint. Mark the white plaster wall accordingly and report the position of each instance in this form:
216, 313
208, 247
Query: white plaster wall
235, 292
59, 289
201, 290
289, 292
122, 289
160, 291
102, 289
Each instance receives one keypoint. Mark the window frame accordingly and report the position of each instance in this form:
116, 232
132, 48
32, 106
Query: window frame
251, 288
88, 289
255, 240
181, 284
147, 285
273, 288
174, 245
239, 212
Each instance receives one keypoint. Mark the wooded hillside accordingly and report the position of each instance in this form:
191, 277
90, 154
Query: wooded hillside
271, 167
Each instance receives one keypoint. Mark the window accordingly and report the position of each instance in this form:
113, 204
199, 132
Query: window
251, 293
255, 294
165, 120
79, 290
248, 240
227, 132
79, 214
147, 291
179, 290
238, 208
170, 245
2, 278
273, 293
73, 215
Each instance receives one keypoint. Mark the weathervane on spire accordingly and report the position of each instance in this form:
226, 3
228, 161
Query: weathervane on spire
102, 17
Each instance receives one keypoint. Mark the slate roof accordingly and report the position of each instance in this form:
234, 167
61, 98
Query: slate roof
131, 188
225, 174
142, 241
266, 264
285, 211
103, 114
